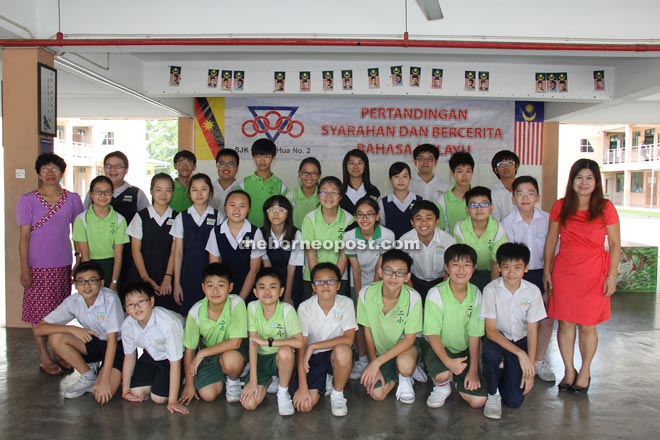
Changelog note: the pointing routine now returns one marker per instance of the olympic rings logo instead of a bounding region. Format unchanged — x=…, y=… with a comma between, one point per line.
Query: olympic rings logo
x=273, y=120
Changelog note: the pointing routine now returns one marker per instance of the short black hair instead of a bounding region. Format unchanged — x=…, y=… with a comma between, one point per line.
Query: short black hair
x=335, y=181
x=189, y=155
x=426, y=148
x=424, y=204
x=525, y=179
x=88, y=266
x=46, y=158
x=228, y=152
x=460, y=158
x=325, y=266
x=119, y=155
x=311, y=160
x=397, y=168
x=264, y=146
x=239, y=191
x=503, y=155
x=138, y=287
x=460, y=251
x=161, y=176
x=396, y=255
x=478, y=191
x=100, y=179
x=512, y=252
x=268, y=272
x=206, y=179
x=217, y=270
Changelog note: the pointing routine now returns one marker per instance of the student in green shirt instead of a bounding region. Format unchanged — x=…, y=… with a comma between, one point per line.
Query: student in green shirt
x=483, y=233
x=220, y=320
x=306, y=196
x=391, y=314
x=185, y=164
x=263, y=183
x=275, y=333
x=451, y=204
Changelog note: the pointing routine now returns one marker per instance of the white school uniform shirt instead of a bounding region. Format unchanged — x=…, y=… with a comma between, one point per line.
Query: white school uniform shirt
x=398, y=203
x=428, y=261
x=220, y=195
x=428, y=191
x=355, y=194
x=533, y=235
x=104, y=316
x=162, y=337
x=177, y=228
x=317, y=326
x=502, y=201
x=368, y=257
x=135, y=228
x=297, y=257
x=142, y=200
x=512, y=311
x=258, y=244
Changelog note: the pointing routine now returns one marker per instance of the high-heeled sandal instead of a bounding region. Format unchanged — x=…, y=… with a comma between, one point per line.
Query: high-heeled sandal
x=567, y=386
x=582, y=391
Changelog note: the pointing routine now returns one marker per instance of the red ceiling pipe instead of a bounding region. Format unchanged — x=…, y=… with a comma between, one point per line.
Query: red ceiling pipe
x=59, y=41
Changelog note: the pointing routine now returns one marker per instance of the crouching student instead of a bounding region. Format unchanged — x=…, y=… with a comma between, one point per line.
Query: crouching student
x=274, y=333
x=328, y=326
x=453, y=330
x=220, y=321
x=157, y=373
x=391, y=314
x=99, y=312
x=512, y=309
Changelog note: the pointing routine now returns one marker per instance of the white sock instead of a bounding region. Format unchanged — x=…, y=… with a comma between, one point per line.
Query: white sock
x=443, y=384
x=90, y=375
x=336, y=393
x=282, y=390
x=538, y=364
x=363, y=359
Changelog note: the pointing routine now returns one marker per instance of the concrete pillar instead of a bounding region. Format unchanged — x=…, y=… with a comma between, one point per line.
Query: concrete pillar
x=550, y=165
x=21, y=142
x=187, y=134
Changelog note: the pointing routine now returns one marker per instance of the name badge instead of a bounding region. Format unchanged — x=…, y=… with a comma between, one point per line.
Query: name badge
x=339, y=315
x=525, y=303
x=540, y=236
x=160, y=342
x=169, y=222
x=210, y=221
x=128, y=198
x=439, y=250
x=100, y=316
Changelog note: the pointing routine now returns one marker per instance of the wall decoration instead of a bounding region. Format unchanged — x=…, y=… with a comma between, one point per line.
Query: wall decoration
x=328, y=80
x=436, y=78
x=415, y=74
x=540, y=82
x=551, y=82
x=347, y=79
x=212, y=79
x=175, y=76
x=562, y=83
x=279, y=78
x=226, y=80
x=239, y=80
x=305, y=81
x=599, y=80
x=469, y=80
x=47, y=100
x=484, y=84
x=397, y=79
x=374, y=78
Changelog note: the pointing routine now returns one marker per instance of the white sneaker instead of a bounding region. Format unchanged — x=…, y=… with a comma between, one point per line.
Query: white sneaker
x=80, y=387
x=274, y=385
x=233, y=390
x=358, y=368
x=405, y=392
x=544, y=371
x=338, y=406
x=493, y=408
x=419, y=374
x=95, y=367
x=285, y=404
x=438, y=396
x=328, y=384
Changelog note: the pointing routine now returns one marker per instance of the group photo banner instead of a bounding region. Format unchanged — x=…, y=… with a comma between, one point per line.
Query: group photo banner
x=385, y=129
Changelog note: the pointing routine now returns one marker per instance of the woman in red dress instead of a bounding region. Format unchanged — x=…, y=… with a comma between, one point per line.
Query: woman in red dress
x=581, y=278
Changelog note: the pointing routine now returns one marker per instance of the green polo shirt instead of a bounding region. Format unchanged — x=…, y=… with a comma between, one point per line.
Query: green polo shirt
x=180, y=200
x=388, y=328
x=316, y=229
x=452, y=210
x=231, y=324
x=486, y=245
x=261, y=191
x=100, y=234
x=453, y=321
x=282, y=325
x=303, y=205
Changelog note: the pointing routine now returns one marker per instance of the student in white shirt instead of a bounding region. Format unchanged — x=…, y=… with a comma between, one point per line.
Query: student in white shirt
x=425, y=183
x=505, y=165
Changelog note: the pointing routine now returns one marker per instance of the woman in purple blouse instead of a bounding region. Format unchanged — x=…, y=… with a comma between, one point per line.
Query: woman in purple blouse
x=45, y=217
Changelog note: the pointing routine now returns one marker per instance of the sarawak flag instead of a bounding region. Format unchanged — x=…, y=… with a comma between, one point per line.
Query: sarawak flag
x=209, y=123
x=528, y=132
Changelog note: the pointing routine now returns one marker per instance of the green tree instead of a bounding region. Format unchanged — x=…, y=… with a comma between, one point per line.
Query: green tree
x=163, y=140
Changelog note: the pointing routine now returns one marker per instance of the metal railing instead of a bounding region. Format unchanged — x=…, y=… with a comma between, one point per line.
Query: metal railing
x=75, y=149
x=640, y=153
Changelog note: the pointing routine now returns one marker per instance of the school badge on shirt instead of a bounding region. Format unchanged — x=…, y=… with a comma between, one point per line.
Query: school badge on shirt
x=525, y=303
x=128, y=198
x=100, y=316
x=339, y=315
x=170, y=222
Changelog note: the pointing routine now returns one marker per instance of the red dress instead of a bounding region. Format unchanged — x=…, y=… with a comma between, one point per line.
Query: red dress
x=580, y=268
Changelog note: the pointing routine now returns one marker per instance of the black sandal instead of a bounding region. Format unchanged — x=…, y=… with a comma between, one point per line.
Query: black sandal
x=582, y=391
x=568, y=386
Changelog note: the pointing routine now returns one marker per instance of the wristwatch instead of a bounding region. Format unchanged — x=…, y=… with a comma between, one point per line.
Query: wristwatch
x=270, y=342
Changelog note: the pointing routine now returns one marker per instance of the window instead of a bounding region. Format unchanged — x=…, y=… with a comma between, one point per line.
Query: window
x=637, y=182
x=635, y=139
x=60, y=132
x=81, y=132
x=108, y=138
x=585, y=146
x=619, y=182
x=649, y=136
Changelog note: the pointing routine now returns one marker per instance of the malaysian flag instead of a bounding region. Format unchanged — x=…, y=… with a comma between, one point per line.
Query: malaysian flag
x=528, y=132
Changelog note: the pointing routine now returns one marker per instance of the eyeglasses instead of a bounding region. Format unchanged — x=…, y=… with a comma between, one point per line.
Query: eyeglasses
x=356, y=163
x=185, y=163
x=109, y=166
x=137, y=305
x=91, y=282
x=523, y=194
x=319, y=283
x=98, y=192
x=505, y=163
x=277, y=210
x=226, y=164
x=475, y=205
x=367, y=215
x=309, y=174
x=396, y=273
x=329, y=193
x=47, y=170
x=425, y=159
